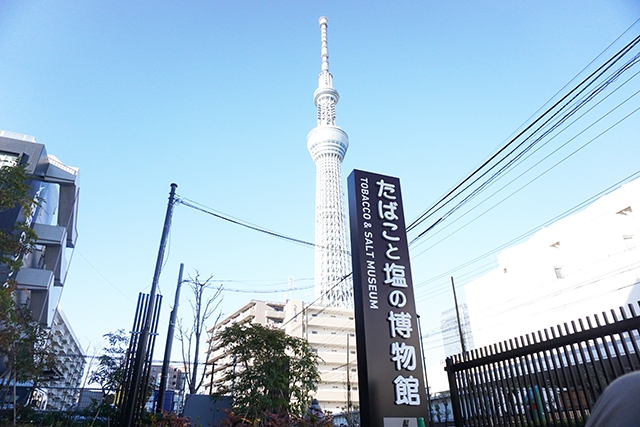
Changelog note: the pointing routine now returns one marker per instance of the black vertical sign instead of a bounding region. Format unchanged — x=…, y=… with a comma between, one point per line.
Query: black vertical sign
x=390, y=372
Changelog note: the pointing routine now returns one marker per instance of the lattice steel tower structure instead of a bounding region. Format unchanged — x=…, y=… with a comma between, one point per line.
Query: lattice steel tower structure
x=328, y=145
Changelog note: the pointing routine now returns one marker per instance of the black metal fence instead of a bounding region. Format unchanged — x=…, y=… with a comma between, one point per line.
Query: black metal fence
x=549, y=378
x=131, y=403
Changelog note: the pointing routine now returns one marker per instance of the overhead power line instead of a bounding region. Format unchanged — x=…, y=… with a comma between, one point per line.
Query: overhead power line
x=527, y=183
x=199, y=207
x=511, y=242
x=319, y=298
x=511, y=152
x=254, y=291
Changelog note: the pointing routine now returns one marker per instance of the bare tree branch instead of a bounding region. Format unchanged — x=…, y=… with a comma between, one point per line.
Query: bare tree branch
x=190, y=337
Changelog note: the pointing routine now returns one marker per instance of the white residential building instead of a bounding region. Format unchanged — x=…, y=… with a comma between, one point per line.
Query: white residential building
x=451, y=331
x=329, y=330
x=62, y=393
x=261, y=312
x=579, y=266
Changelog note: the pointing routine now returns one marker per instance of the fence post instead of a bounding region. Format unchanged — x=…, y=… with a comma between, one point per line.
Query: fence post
x=453, y=391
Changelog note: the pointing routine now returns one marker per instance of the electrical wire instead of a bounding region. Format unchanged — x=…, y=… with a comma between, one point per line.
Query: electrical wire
x=194, y=205
x=252, y=291
x=532, y=180
x=500, y=172
x=103, y=276
x=513, y=140
x=574, y=94
x=319, y=298
x=543, y=159
x=199, y=207
x=521, y=237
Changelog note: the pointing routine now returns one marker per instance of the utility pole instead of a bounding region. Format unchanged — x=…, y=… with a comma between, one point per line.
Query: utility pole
x=306, y=321
x=144, y=334
x=455, y=301
x=213, y=369
x=348, y=386
x=169, y=344
x=424, y=369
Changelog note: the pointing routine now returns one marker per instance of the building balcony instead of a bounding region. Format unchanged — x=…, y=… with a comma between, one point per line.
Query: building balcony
x=331, y=323
x=50, y=234
x=34, y=279
x=273, y=314
x=325, y=338
x=329, y=358
x=336, y=395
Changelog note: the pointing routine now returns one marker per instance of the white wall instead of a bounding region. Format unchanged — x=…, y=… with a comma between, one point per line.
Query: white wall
x=598, y=254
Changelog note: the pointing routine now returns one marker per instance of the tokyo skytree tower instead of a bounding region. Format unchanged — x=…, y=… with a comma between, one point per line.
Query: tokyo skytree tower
x=328, y=144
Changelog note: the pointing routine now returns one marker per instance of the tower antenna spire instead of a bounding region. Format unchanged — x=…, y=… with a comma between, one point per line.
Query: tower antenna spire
x=325, y=79
x=325, y=49
x=328, y=145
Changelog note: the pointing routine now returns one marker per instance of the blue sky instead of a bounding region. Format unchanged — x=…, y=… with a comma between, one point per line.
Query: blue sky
x=218, y=97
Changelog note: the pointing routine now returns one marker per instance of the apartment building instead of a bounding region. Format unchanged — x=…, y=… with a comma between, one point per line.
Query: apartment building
x=329, y=330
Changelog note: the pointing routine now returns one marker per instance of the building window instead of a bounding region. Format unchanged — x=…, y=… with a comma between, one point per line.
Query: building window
x=8, y=159
x=629, y=242
x=314, y=332
x=559, y=272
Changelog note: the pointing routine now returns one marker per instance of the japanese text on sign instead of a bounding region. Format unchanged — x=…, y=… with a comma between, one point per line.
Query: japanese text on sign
x=407, y=390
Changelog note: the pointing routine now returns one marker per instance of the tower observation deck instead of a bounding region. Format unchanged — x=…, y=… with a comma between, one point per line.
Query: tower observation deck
x=328, y=145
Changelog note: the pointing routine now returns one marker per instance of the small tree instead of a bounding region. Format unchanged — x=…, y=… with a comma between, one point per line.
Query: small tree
x=191, y=337
x=19, y=239
x=438, y=411
x=271, y=371
x=24, y=344
x=109, y=371
x=25, y=347
x=447, y=412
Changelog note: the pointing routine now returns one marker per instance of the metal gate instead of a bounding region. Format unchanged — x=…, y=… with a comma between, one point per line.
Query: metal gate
x=549, y=378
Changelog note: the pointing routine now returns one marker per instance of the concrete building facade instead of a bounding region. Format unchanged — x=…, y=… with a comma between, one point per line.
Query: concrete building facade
x=175, y=390
x=260, y=312
x=451, y=332
x=175, y=377
x=581, y=265
x=329, y=330
x=63, y=392
x=44, y=271
x=332, y=332
x=41, y=278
